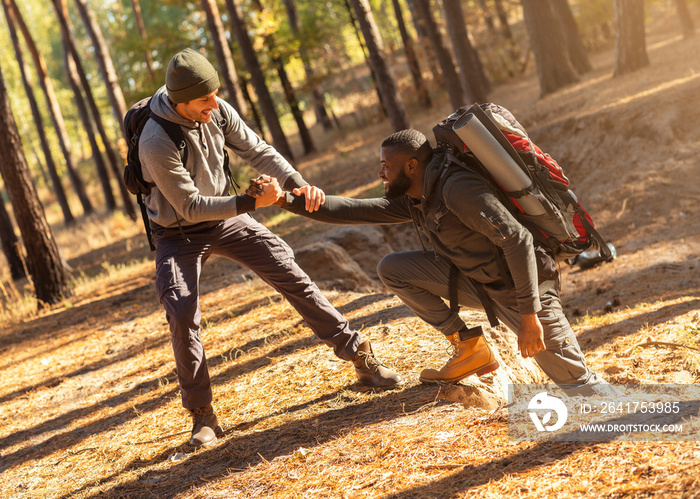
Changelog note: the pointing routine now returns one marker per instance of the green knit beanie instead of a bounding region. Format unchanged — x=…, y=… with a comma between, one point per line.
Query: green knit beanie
x=190, y=76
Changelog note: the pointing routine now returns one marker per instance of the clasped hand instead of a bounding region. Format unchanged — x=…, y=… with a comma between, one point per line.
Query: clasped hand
x=265, y=189
x=314, y=196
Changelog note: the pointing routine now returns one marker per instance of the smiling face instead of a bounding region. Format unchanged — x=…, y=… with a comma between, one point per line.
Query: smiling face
x=198, y=109
x=393, y=171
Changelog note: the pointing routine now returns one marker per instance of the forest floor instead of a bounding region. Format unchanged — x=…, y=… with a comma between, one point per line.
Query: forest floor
x=89, y=403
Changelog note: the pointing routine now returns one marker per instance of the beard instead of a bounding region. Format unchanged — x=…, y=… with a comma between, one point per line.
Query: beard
x=398, y=187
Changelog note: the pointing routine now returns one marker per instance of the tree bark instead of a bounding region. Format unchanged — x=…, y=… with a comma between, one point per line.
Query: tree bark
x=73, y=80
x=288, y=89
x=577, y=51
x=115, y=163
x=136, y=8
x=412, y=58
x=43, y=259
x=60, y=192
x=257, y=78
x=316, y=93
x=475, y=83
x=385, y=80
x=686, y=19
x=554, y=67
x=104, y=62
x=10, y=243
x=630, y=41
x=55, y=113
x=450, y=78
x=223, y=54
x=424, y=40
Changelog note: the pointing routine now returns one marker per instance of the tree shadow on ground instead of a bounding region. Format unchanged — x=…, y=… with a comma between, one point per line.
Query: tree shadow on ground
x=239, y=452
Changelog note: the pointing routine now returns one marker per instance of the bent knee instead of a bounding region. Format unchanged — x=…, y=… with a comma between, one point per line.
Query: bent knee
x=388, y=266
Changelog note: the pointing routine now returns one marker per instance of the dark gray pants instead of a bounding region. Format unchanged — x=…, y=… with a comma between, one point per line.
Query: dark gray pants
x=421, y=282
x=242, y=239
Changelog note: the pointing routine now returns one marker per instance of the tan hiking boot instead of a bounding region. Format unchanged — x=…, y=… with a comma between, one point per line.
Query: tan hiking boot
x=471, y=356
x=371, y=372
x=205, y=426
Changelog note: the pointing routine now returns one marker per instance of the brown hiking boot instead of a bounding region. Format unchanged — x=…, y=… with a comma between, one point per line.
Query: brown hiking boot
x=205, y=426
x=471, y=356
x=371, y=372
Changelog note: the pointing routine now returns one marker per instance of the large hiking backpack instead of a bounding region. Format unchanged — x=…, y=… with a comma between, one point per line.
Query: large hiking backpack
x=566, y=229
x=135, y=119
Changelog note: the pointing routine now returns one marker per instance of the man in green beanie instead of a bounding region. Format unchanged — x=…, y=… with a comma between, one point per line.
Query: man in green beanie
x=193, y=217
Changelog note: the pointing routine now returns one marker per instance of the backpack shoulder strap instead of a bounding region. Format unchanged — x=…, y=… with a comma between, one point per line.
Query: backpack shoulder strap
x=175, y=133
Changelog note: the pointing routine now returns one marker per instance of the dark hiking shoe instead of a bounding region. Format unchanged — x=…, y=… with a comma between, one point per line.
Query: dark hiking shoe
x=371, y=372
x=205, y=427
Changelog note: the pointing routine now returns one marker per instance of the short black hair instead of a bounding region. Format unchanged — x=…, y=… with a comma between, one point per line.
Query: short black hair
x=412, y=142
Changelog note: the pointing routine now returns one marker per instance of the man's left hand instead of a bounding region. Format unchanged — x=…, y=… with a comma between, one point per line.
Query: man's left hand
x=315, y=197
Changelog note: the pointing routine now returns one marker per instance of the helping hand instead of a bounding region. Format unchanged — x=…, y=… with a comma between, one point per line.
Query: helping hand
x=315, y=197
x=266, y=191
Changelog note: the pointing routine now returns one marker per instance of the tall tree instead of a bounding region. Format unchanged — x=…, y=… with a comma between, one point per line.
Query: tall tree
x=104, y=62
x=287, y=87
x=223, y=54
x=60, y=192
x=43, y=259
x=55, y=112
x=686, y=19
x=411, y=57
x=387, y=86
x=257, y=78
x=138, y=17
x=630, y=41
x=424, y=40
x=10, y=243
x=450, y=78
x=61, y=8
x=74, y=82
x=475, y=83
x=316, y=93
x=554, y=67
x=577, y=51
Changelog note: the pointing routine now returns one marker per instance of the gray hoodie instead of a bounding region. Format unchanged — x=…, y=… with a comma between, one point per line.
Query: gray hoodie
x=198, y=191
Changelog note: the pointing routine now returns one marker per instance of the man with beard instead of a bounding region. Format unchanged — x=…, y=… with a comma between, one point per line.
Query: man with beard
x=466, y=225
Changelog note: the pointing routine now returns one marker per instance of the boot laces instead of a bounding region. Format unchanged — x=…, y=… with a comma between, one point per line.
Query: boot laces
x=369, y=360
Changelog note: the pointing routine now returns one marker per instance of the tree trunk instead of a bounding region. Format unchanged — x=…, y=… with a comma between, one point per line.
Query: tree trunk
x=554, y=67
x=385, y=80
x=630, y=41
x=104, y=62
x=73, y=80
x=450, y=78
x=288, y=89
x=412, y=58
x=686, y=19
x=43, y=259
x=223, y=54
x=38, y=120
x=363, y=47
x=115, y=163
x=10, y=243
x=424, y=40
x=136, y=8
x=257, y=78
x=316, y=93
x=577, y=52
x=55, y=113
x=475, y=83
